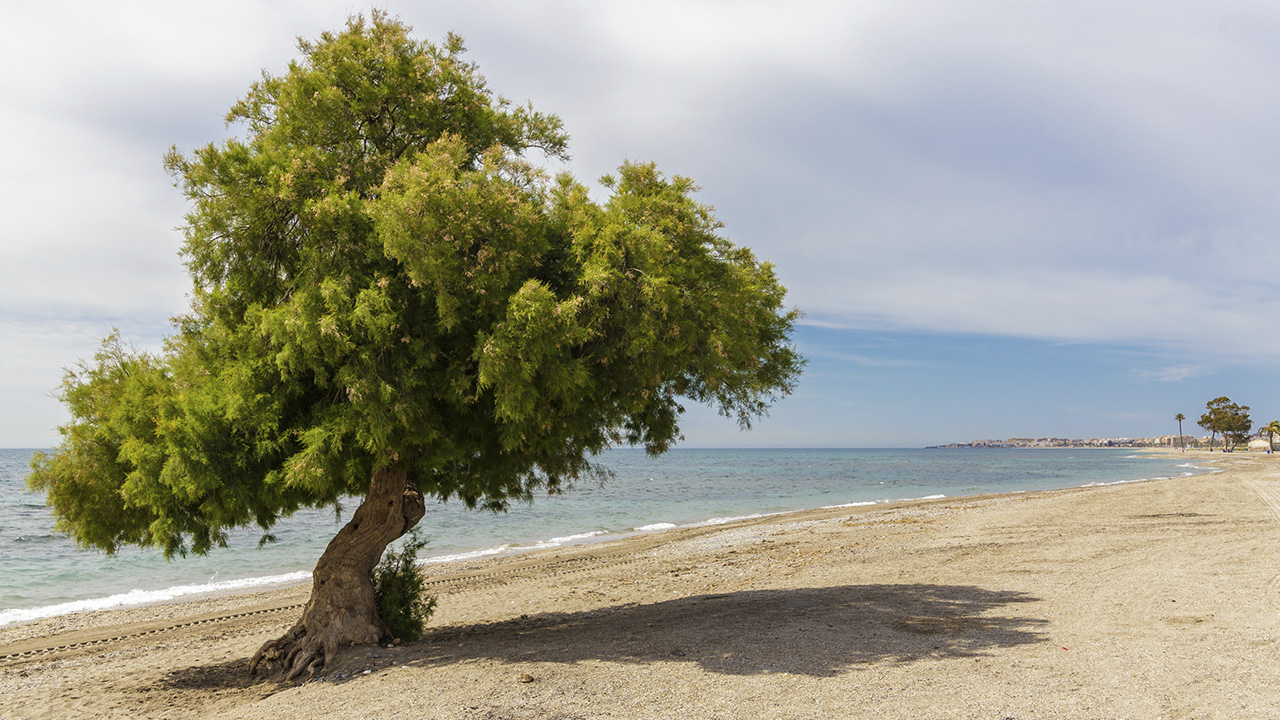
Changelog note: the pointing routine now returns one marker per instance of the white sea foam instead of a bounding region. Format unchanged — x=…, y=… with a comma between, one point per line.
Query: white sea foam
x=566, y=540
x=512, y=548
x=724, y=520
x=144, y=597
x=1193, y=470
x=1202, y=468
x=877, y=502
x=135, y=598
x=1122, y=482
x=472, y=555
x=656, y=527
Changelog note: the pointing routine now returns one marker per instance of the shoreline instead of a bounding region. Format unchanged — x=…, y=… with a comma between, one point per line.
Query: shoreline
x=189, y=592
x=289, y=592
x=1143, y=600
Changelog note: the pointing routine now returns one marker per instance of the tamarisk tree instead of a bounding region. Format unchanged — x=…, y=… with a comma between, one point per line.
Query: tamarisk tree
x=1232, y=420
x=392, y=301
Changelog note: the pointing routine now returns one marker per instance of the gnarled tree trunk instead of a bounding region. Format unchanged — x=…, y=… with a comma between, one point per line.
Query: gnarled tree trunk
x=342, y=611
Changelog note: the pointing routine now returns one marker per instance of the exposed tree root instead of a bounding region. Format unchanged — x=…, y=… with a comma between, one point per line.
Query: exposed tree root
x=302, y=652
x=294, y=655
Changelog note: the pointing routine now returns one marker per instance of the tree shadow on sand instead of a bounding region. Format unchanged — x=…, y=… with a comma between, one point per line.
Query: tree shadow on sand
x=819, y=632
x=808, y=631
x=230, y=674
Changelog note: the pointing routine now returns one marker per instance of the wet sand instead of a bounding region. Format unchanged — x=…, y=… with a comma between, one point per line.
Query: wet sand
x=1146, y=600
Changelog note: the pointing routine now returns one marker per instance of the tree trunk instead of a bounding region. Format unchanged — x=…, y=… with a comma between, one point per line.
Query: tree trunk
x=342, y=611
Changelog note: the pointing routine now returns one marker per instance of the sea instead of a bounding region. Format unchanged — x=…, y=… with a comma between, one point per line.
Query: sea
x=43, y=573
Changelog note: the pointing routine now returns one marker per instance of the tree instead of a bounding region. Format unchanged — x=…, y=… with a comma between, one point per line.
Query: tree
x=1237, y=427
x=1212, y=419
x=1271, y=429
x=1229, y=419
x=1209, y=421
x=1181, y=443
x=391, y=301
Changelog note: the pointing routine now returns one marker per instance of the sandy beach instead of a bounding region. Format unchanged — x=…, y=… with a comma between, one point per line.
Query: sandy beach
x=1145, y=600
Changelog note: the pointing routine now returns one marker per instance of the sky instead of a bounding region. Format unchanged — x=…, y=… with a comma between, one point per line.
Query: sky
x=1001, y=219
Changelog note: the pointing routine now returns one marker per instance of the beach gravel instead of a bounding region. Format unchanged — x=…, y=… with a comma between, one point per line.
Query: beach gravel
x=1155, y=599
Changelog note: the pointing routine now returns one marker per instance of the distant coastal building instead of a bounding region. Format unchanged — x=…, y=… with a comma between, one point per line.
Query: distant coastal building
x=1160, y=441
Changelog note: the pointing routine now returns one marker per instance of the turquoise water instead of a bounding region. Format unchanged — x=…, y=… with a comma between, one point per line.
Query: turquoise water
x=42, y=573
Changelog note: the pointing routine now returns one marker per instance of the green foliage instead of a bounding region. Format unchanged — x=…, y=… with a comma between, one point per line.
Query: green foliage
x=400, y=591
x=1225, y=417
x=1270, y=430
x=381, y=277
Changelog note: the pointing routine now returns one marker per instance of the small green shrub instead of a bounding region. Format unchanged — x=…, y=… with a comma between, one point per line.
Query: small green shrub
x=398, y=588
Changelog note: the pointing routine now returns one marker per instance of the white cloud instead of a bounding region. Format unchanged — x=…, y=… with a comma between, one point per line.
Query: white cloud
x=1083, y=172
x=1094, y=305
x=1174, y=373
x=866, y=361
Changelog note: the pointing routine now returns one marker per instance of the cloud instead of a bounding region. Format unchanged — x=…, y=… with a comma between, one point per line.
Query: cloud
x=1101, y=305
x=1173, y=374
x=1091, y=172
x=868, y=361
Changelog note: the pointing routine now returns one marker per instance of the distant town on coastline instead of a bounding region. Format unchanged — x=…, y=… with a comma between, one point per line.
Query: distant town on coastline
x=1228, y=422
x=1163, y=441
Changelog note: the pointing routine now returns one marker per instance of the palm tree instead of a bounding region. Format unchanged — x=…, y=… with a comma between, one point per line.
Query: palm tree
x=1270, y=430
x=1181, y=443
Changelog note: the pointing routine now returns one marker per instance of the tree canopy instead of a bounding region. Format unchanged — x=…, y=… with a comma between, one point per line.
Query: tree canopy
x=385, y=285
x=1270, y=430
x=1228, y=418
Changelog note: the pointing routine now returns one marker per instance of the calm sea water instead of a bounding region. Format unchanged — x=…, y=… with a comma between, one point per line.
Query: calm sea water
x=43, y=574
